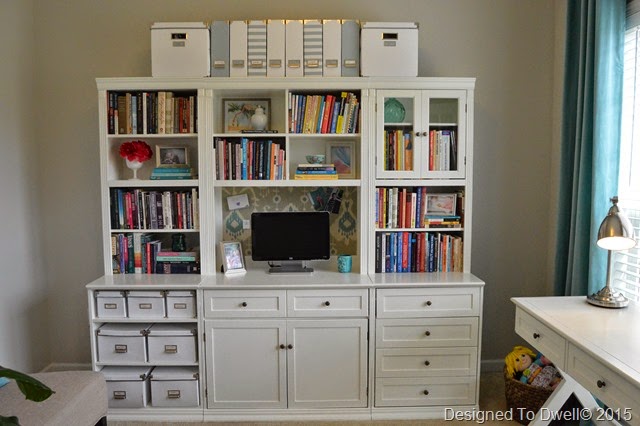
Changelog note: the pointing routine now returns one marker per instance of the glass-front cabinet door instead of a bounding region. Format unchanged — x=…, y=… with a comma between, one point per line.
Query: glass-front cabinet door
x=420, y=134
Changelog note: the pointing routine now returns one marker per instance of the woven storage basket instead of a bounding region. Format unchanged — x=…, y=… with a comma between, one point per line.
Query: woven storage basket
x=523, y=396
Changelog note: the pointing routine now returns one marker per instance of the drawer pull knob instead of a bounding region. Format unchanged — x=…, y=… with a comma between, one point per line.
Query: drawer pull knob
x=427, y=333
x=536, y=335
x=327, y=303
x=282, y=346
x=426, y=392
x=427, y=363
x=601, y=384
x=243, y=304
x=428, y=303
x=290, y=346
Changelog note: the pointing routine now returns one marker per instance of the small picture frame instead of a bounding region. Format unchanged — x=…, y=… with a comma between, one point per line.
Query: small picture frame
x=238, y=113
x=342, y=155
x=232, y=257
x=441, y=205
x=172, y=156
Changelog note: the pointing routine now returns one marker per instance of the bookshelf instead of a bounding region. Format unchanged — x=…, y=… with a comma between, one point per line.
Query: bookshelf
x=405, y=178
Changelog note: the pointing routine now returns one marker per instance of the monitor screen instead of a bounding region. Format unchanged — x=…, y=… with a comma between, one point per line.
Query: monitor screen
x=290, y=236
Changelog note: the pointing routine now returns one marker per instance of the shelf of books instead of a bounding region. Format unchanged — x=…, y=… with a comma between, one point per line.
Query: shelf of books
x=150, y=210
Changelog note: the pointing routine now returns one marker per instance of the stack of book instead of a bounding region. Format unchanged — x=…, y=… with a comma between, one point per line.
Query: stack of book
x=442, y=221
x=177, y=262
x=160, y=173
x=316, y=171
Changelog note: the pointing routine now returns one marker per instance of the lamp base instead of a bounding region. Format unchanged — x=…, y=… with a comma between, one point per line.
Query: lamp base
x=606, y=298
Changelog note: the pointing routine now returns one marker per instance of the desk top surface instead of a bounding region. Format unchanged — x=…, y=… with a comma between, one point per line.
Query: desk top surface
x=611, y=335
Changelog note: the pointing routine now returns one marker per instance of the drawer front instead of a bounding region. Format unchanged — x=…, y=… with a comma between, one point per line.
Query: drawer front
x=121, y=349
x=244, y=303
x=127, y=394
x=427, y=332
x=614, y=390
x=172, y=349
x=181, y=306
x=111, y=307
x=541, y=337
x=146, y=307
x=174, y=393
x=428, y=302
x=327, y=303
x=427, y=362
x=425, y=391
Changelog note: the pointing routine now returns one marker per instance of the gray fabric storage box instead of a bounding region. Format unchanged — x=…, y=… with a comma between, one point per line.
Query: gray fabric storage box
x=146, y=304
x=175, y=343
x=110, y=304
x=127, y=387
x=181, y=304
x=175, y=387
x=122, y=343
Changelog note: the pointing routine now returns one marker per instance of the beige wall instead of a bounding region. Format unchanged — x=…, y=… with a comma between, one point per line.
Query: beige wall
x=507, y=45
x=23, y=289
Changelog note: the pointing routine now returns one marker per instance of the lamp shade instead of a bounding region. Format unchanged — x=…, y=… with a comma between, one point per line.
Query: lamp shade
x=616, y=231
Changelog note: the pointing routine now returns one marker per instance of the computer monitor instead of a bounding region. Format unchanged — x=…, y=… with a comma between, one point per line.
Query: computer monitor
x=290, y=239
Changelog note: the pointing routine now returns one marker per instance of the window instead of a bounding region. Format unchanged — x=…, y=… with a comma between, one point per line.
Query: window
x=626, y=274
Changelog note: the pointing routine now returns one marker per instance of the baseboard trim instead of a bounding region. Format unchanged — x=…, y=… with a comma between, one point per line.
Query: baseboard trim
x=491, y=365
x=62, y=366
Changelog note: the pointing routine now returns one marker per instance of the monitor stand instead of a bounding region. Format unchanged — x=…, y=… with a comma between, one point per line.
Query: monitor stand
x=289, y=267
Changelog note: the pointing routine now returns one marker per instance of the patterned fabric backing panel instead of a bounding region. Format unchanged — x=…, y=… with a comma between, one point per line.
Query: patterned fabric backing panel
x=343, y=225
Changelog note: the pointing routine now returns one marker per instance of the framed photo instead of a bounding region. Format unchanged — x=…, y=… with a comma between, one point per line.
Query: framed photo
x=343, y=156
x=238, y=113
x=232, y=257
x=172, y=156
x=441, y=204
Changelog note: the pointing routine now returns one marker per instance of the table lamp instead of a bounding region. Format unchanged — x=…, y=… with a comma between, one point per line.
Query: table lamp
x=615, y=233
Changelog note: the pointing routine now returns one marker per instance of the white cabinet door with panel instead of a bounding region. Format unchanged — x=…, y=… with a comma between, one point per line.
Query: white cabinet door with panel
x=246, y=363
x=327, y=363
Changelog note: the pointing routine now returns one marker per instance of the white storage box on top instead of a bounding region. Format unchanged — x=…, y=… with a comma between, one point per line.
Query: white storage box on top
x=120, y=343
x=146, y=304
x=180, y=49
x=389, y=49
x=181, y=304
x=127, y=387
x=110, y=304
x=174, y=387
x=172, y=343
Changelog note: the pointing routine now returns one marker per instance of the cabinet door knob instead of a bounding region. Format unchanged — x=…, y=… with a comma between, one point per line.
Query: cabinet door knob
x=536, y=335
x=601, y=384
x=243, y=304
x=418, y=134
x=426, y=392
x=327, y=303
x=282, y=346
x=290, y=346
x=427, y=333
x=428, y=303
x=427, y=363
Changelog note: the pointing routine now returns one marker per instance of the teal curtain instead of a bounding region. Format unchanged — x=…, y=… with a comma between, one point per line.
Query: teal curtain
x=590, y=140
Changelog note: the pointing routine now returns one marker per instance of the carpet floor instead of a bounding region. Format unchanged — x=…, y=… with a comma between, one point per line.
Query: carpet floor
x=491, y=400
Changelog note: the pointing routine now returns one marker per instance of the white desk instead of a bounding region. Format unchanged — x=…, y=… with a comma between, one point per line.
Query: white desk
x=597, y=350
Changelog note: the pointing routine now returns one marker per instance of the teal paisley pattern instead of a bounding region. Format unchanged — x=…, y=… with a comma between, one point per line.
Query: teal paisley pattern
x=344, y=225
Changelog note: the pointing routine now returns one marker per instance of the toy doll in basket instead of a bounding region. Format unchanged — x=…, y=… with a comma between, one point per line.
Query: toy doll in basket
x=534, y=369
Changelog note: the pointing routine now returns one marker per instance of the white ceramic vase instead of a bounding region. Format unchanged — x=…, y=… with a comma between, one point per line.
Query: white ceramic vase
x=133, y=165
x=259, y=119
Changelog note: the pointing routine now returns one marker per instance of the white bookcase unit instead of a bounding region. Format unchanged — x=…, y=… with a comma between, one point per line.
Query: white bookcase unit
x=398, y=337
